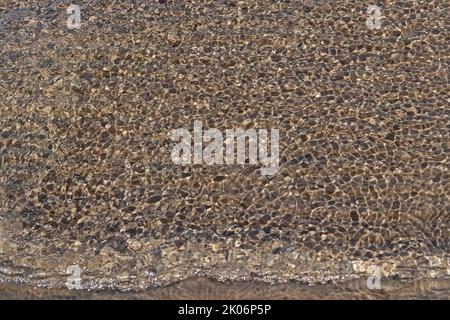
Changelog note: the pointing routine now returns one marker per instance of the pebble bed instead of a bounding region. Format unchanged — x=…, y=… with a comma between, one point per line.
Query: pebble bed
x=86, y=115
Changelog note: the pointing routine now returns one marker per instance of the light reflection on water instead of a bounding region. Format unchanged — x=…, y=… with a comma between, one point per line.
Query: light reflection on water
x=201, y=288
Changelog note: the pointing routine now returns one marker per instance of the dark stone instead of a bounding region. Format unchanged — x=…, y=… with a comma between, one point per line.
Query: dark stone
x=119, y=243
x=154, y=199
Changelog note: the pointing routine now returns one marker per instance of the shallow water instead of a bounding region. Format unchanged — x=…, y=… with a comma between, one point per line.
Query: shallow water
x=87, y=180
x=205, y=289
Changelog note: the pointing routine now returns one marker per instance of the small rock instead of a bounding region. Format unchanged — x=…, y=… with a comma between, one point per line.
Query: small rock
x=119, y=243
x=154, y=199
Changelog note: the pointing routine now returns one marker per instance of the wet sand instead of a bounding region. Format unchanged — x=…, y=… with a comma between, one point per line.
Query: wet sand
x=205, y=289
